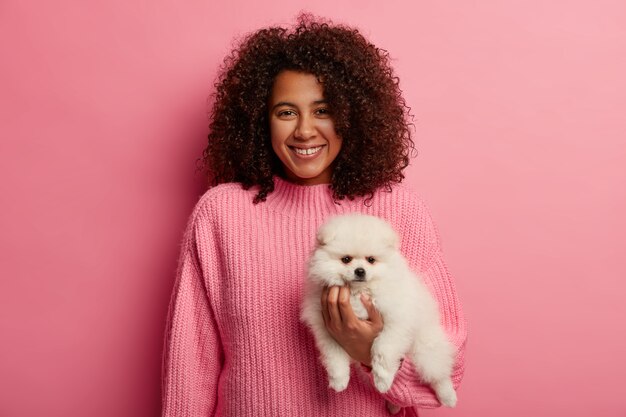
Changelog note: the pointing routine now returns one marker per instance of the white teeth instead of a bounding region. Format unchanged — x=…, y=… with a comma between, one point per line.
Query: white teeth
x=309, y=151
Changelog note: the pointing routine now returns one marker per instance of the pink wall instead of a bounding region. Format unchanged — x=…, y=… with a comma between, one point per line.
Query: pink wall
x=520, y=116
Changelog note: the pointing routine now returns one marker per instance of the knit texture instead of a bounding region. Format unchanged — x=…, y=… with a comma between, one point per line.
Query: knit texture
x=234, y=343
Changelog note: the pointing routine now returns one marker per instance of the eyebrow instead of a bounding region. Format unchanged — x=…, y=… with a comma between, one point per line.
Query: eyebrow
x=286, y=103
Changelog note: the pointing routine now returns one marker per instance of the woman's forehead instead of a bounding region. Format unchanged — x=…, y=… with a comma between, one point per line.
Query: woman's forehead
x=297, y=88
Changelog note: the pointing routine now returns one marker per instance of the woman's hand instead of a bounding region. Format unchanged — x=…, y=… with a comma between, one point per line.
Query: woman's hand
x=353, y=334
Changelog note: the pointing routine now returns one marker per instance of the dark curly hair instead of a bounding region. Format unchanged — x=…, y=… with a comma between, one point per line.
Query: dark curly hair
x=368, y=109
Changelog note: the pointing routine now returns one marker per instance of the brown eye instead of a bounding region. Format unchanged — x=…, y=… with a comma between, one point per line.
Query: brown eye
x=370, y=259
x=286, y=113
x=346, y=259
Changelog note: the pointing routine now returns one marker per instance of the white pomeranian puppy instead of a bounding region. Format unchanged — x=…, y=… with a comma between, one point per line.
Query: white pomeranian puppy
x=362, y=252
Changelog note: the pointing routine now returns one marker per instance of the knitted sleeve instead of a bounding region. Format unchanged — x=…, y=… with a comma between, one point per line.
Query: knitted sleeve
x=407, y=391
x=192, y=355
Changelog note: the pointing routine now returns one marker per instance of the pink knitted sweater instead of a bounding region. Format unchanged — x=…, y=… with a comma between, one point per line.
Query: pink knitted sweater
x=234, y=343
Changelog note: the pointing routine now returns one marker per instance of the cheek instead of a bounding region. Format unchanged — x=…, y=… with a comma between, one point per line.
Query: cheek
x=328, y=131
x=327, y=127
x=379, y=270
x=279, y=131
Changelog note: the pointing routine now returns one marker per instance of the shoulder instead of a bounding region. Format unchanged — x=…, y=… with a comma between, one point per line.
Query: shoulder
x=412, y=218
x=407, y=203
x=408, y=197
x=218, y=201
x=227, y=191
x=225, y=196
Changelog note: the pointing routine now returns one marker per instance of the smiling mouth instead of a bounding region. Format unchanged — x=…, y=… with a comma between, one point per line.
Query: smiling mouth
x=307, y=151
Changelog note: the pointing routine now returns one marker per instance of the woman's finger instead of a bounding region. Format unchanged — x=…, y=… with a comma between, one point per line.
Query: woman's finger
x=345, y=308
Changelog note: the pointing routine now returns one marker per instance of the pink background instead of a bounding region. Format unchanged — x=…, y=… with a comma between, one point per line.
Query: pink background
x=521, y=125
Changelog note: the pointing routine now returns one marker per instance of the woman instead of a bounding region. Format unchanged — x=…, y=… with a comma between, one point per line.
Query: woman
x=306, y=124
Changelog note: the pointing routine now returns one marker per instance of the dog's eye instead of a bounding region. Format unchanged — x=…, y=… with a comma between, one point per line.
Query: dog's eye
x=371, y=259
x=346, y=259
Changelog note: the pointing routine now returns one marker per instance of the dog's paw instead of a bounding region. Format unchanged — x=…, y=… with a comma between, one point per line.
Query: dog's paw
x=446, y=394
x=339, y=383
x=448, y=398
x=382, y=380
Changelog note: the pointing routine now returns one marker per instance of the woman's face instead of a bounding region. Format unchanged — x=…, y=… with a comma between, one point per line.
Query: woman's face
x=302, y=128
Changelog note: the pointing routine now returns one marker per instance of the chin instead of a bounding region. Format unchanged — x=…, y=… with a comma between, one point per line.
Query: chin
x=362, y=252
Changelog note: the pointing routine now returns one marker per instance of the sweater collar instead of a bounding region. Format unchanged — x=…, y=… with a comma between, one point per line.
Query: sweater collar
x=291, y=197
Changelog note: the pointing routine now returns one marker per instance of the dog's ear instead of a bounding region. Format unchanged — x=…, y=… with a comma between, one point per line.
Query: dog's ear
x=325, y=235
x=391, y=239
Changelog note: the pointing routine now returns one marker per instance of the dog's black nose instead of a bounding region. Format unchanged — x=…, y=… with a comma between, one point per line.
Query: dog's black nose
x=359, y=272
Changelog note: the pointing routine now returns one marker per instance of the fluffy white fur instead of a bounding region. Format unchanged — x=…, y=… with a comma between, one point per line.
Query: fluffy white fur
x=410, y=313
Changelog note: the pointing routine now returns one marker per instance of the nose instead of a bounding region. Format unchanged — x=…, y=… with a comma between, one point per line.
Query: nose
x=360, y=273
x=305, y=128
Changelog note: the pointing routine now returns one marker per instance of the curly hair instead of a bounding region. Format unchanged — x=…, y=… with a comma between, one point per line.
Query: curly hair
x=369, y=112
